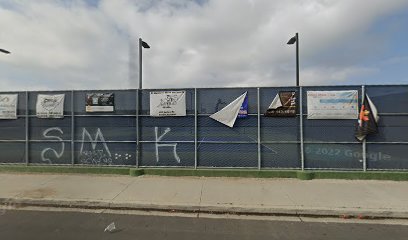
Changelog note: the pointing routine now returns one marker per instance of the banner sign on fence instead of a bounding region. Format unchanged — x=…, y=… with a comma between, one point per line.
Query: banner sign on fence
x=243, y=111
x=283, y=105
x=229, y=113
x=332, y=104
x=100, y=102
x=167, y=103
x=368, y=119
x=50, y=106
x=8, y=106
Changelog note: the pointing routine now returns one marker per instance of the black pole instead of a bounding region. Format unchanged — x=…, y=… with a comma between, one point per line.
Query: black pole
x=140, y=63
x=4, y=51
x=138, y=155
x=297, y=59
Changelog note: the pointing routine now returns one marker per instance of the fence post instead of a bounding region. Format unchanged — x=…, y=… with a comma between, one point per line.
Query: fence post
x=137, y=128
x=259, y=130
x=364, y=149
x=26, y=129
x=72, y=129
x=302, y=153
x=195, y=128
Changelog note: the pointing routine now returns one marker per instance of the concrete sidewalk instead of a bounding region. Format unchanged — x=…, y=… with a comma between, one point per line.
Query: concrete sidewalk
x=356, y=198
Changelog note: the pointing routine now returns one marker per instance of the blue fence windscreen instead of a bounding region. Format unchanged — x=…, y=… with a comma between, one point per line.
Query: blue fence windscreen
x=129, y=136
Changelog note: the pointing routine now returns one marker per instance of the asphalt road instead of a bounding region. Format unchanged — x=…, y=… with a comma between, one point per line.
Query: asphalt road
x=48, y=225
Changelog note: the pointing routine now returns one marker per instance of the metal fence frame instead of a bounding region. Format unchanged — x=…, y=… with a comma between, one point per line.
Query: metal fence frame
x=196, y=165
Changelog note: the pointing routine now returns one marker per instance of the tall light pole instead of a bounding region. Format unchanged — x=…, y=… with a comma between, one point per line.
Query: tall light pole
x=291, y=41
x=4, y=51
x=142, y=44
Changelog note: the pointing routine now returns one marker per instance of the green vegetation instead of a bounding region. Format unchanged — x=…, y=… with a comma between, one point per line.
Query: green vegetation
x=302, y=175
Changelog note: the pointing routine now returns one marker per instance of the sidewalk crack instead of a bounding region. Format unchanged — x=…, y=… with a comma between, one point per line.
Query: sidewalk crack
x=49, y=180
x=127, y=186
x=287, y=195
x=201, y=195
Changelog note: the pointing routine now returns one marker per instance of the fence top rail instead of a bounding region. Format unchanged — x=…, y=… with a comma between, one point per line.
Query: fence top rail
x=201, y=88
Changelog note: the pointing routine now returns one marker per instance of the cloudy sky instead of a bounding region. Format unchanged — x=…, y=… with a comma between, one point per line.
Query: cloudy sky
x=93, y=44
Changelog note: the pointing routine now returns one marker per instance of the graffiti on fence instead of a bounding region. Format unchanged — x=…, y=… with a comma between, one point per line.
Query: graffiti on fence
x=157, y=145
x=123, y=156
x=58, y=155
x=92, y=155
x=219, y=105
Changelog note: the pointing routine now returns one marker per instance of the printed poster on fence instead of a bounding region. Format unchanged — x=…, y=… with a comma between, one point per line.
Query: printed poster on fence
x=8, y=106
x=283, y=105
x=167, y=103
x=332, y=104
x=243, y=111
x=50, y=106
x=100, y=102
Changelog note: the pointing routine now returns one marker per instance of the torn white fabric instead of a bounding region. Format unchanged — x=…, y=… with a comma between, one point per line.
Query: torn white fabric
x=276, y=102
x=229, y=113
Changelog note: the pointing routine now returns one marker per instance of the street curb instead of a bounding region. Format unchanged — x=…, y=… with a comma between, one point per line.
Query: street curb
x=218, y=210
x=243, y=173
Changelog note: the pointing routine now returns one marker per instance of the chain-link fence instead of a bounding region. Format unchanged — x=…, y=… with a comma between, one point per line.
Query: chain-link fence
x=129, y=136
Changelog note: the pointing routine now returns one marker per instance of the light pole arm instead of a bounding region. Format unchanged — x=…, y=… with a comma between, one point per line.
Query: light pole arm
x=4, y=51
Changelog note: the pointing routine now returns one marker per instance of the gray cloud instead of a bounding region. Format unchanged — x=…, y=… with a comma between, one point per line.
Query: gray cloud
x=72, y=45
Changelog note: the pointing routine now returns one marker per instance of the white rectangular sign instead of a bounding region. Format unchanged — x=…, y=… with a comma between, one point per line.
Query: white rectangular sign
x=332, y=104
x=8, y=106
x=168, y=103
x=100, y=102
x=50, y=106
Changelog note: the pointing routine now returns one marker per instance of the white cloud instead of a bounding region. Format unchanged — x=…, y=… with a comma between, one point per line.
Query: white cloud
x=71, y=45
x=325, y=76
